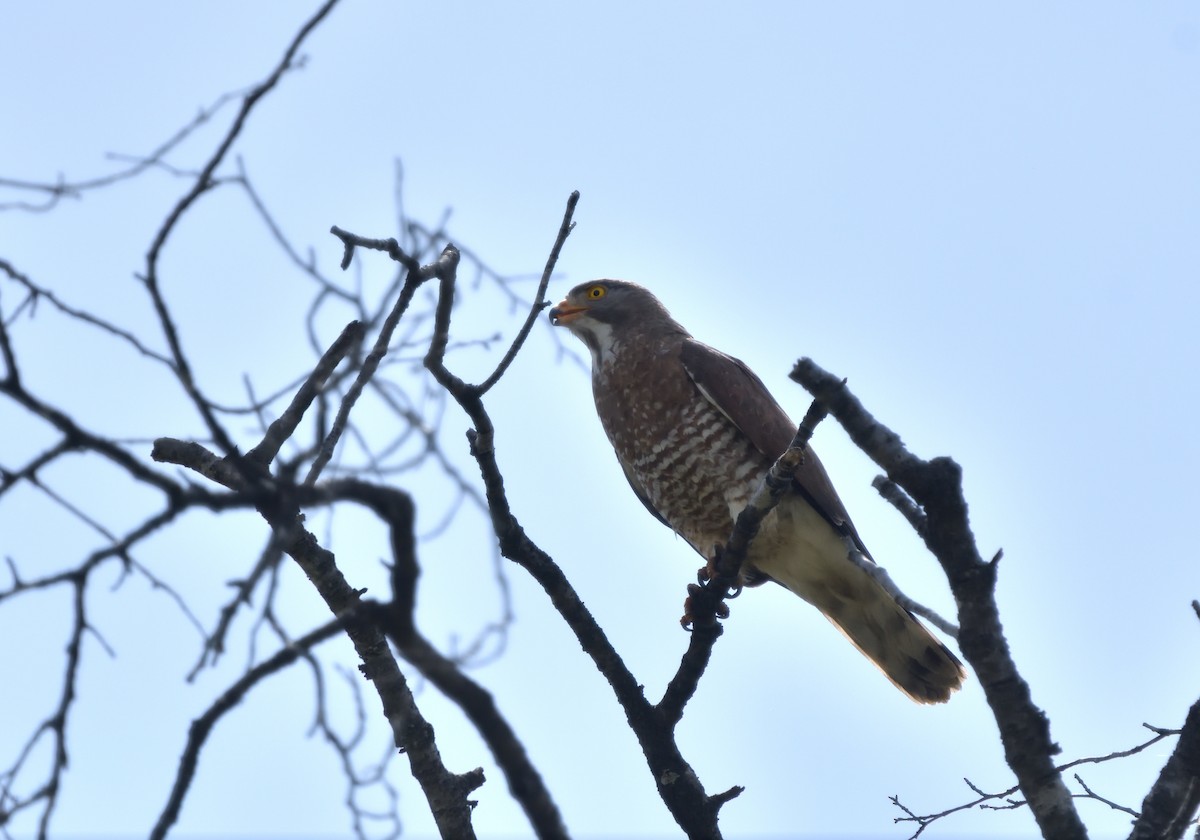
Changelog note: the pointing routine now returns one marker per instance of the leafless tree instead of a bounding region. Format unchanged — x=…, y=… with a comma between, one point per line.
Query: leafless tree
x=393, y=347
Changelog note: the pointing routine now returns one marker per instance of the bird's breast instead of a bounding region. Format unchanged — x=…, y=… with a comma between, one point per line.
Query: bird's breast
x=694, y=466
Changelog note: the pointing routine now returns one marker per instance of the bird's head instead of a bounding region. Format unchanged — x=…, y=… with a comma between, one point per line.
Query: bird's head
x=603, y=312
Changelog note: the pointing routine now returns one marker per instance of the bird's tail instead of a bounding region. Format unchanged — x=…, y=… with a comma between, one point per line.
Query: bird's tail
x=901, y=646
x=858, y=604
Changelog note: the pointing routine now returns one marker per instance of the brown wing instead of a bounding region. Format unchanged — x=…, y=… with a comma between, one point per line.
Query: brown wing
x=741, y=396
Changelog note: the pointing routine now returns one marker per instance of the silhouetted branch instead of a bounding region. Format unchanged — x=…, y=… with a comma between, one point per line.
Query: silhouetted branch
x=202, y=726
x=539, y=301
x=895, y=495
x=398, y=619
x=446, y=792
x=358, y=780
x=214, y=642
x=1173, y=800
x=936, y=486
x=706, y=600
x=63, y=188
x=678, y=786
x=285, y=425
x=411, y=283
x=277, y=496
x=321, y=409
x=307, y=265
x=37, y=293
x=203, y=182
x=988, y=800
x=391, y=247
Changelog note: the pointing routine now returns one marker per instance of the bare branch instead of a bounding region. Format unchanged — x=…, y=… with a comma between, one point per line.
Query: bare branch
x=62, y=188
x=202, y=726
x=391, y=247
x=202, y=184
x=276, y=496
x=987, y=800
x=678, y=785
x=901, y=501
x=412, y=282
x=446, y=792
x=1174, y=799
x=1091, y=794
x=705, y=603
x=37, y=292
x=399, y=620
x=936, y=486
x=539, y=302
x=285, y=425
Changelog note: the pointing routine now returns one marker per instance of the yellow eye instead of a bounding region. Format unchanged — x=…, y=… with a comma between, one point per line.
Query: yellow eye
x=596, y=292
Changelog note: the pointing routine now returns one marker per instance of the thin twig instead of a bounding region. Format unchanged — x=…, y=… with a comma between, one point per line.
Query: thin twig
x=539, y=301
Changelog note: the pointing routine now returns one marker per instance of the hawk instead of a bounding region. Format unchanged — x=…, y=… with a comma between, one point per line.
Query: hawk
x=695, y=431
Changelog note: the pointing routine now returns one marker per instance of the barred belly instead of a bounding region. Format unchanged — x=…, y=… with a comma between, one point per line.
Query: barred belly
x=699, y=472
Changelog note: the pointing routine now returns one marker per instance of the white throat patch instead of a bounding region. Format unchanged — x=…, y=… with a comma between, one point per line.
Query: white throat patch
x=600, y=342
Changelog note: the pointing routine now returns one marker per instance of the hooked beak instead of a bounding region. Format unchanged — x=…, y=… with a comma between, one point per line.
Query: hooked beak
x=564, y=313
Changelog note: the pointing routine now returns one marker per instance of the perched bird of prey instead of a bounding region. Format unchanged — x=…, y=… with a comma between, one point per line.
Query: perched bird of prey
x=695, y=431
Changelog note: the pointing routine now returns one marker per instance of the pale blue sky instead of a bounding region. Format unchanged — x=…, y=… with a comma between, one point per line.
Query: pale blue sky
x=985, y=217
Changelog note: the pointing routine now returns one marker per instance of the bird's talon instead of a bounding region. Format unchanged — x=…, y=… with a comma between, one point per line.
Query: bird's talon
x=687, y=619
x=701, y=592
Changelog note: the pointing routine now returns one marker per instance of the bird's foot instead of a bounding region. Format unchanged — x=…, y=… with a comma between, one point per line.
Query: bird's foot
x=697, y=594
x=706, y=573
